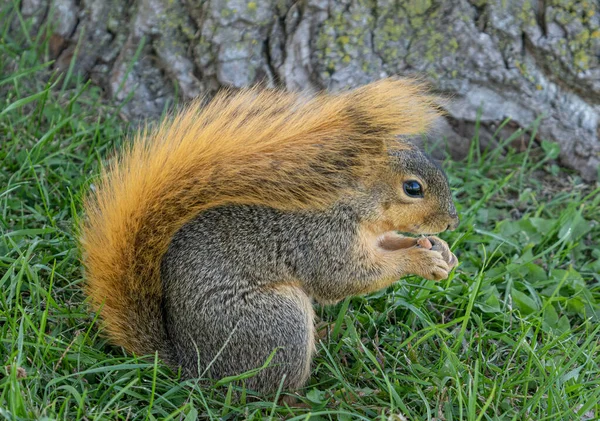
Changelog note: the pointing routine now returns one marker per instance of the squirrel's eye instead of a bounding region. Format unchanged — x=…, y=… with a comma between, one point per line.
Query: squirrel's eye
x=413, y=188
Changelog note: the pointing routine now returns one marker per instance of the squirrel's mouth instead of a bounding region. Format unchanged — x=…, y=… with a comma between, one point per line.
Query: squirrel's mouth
x=420, y=230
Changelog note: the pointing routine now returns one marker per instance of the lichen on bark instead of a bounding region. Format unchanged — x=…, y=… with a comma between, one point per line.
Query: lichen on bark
x=501, y=59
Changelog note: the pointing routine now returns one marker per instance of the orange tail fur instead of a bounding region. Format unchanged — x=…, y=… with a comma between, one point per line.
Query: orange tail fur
x=278, y=149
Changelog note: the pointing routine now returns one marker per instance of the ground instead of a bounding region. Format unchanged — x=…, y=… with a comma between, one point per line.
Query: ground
x=514, y=333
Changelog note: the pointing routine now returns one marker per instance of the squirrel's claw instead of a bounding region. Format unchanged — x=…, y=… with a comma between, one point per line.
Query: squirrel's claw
x=441, y=246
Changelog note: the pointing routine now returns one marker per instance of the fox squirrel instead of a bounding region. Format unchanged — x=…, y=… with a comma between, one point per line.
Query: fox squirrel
x=208, y=238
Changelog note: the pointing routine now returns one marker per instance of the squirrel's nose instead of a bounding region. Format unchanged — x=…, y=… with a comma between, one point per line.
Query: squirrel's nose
x=454, y=223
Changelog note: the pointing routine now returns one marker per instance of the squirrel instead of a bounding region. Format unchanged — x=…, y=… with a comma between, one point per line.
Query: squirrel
x=211, y=236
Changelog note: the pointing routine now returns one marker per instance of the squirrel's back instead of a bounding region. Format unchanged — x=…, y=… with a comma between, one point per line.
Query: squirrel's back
x=276, y=149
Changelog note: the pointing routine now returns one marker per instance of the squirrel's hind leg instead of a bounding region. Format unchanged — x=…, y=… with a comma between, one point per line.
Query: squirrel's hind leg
x=296, y=328
x=279, y=319
x=234, y=336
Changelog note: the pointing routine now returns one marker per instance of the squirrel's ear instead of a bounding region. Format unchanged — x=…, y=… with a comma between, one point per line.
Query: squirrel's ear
x=412, y=160
x=401, y=157
x=399, y=146
x=407, y=143
x=402, y=149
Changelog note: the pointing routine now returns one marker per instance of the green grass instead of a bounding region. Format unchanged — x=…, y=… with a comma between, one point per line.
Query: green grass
x=513, y=334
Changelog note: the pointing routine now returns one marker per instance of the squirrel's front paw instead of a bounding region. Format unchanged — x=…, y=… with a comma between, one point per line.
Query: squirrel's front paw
x=429, y=264
x=437, y=244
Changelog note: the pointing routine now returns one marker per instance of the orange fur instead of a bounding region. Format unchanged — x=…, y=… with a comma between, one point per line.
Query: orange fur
x=278, y=149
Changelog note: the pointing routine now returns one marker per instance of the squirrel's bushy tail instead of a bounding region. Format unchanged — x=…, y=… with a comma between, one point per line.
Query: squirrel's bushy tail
x=279, y=149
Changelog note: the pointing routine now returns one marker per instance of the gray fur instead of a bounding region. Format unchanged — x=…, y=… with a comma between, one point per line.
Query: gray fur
x=217, y=275
x=225, y=312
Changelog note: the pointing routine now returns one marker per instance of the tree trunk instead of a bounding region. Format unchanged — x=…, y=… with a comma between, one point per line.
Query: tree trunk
x=516, y=59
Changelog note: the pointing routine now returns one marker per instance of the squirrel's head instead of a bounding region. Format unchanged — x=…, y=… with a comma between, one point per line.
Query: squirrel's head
x=421, y=201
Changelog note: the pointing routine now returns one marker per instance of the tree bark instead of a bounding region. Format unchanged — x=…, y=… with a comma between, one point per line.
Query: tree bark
x=516, y=59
